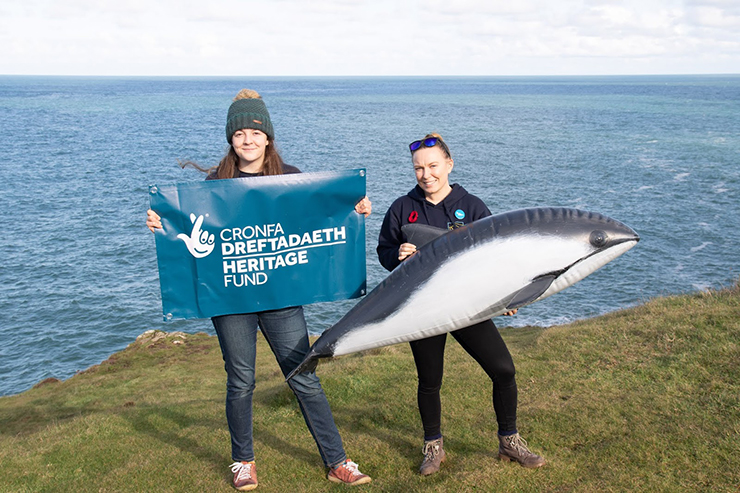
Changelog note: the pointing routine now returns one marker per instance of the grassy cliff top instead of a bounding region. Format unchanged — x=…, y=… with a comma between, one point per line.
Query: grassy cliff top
x=644, y=399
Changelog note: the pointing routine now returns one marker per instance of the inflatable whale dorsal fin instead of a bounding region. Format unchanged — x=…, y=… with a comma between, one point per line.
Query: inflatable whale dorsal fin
x=421, y=234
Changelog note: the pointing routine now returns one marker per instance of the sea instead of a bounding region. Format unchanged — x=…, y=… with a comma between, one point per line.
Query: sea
x=78, y=275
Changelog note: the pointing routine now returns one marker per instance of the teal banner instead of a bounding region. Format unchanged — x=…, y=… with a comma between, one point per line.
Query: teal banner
x=251, y=244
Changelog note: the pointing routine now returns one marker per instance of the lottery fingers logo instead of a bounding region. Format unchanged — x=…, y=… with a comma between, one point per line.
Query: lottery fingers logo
x=200, y=243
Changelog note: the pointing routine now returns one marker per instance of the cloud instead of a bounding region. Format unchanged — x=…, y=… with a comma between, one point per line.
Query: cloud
x=384, y=37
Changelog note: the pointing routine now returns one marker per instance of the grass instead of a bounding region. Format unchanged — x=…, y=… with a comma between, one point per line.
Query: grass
x=645, y=399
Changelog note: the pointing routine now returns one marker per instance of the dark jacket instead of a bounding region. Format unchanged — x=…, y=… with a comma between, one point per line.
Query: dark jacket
x=457, y=209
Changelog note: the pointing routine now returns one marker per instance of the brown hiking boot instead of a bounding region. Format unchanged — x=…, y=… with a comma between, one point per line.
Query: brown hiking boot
x=245, y=475
x=434, y=454
x=348, y=473
x=514, y=448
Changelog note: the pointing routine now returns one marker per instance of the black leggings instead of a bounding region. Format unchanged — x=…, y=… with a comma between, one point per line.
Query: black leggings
x=483, y=342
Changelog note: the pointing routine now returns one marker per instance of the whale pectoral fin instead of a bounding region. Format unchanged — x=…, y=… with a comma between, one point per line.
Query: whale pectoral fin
x=421, y=234
x=531, y=291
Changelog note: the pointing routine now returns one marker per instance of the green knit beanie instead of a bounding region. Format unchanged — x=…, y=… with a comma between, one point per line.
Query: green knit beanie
x=248, y=113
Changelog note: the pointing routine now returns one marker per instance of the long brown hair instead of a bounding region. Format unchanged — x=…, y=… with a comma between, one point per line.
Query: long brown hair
x=228, y=167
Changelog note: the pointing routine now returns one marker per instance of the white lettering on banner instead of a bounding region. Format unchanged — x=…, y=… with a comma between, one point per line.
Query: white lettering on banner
x=242, y=280
x=271, y=262
x=249, y=232
x=250, y=252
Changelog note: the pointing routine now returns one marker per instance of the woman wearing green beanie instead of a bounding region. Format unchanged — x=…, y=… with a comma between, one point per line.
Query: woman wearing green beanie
x=252, y=153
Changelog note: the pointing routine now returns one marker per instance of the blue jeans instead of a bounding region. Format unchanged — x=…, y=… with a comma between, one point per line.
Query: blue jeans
x=286, y=333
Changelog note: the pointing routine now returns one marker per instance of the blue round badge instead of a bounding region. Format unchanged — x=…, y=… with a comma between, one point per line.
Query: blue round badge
x=460, y=214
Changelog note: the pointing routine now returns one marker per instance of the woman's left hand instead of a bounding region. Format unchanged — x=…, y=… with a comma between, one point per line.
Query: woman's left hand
x=364, y=207
x=511, y=313
x=153, y=221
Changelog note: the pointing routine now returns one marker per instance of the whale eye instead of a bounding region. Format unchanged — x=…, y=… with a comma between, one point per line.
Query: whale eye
x=598, y=238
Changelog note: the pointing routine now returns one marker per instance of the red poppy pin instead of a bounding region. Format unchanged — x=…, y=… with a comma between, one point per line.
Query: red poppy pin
x=413, y=217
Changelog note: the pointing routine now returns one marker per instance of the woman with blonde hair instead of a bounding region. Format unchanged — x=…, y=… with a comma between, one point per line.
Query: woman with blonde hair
x=252, y=153
x=435, y=202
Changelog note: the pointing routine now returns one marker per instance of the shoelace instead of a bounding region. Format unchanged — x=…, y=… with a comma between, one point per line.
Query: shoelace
x=351, y=467
x=520, y=444
x=430, y=450
x=245, y=470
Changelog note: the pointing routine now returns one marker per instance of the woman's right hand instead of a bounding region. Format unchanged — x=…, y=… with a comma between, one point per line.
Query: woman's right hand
x=406, y=250
x=153, y=221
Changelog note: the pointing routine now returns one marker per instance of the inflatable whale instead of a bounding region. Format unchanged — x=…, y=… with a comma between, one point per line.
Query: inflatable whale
x=484, y=269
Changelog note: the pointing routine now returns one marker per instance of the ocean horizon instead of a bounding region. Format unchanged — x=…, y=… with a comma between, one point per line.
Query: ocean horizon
x=660, y=153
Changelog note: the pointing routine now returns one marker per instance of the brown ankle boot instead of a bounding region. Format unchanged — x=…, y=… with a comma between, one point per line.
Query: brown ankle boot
x=434, y=454
x=514, y=448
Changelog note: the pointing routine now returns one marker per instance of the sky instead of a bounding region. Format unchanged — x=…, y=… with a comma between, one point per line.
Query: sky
x=376, y=38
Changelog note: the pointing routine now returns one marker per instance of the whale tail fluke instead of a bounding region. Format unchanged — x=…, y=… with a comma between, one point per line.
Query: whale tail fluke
x=309, y=364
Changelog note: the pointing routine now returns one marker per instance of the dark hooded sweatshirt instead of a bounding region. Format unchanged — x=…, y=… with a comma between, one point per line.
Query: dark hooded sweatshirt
x=457, y=209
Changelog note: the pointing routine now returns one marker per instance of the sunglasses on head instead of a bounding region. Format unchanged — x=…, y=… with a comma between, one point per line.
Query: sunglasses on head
x=429, y=142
